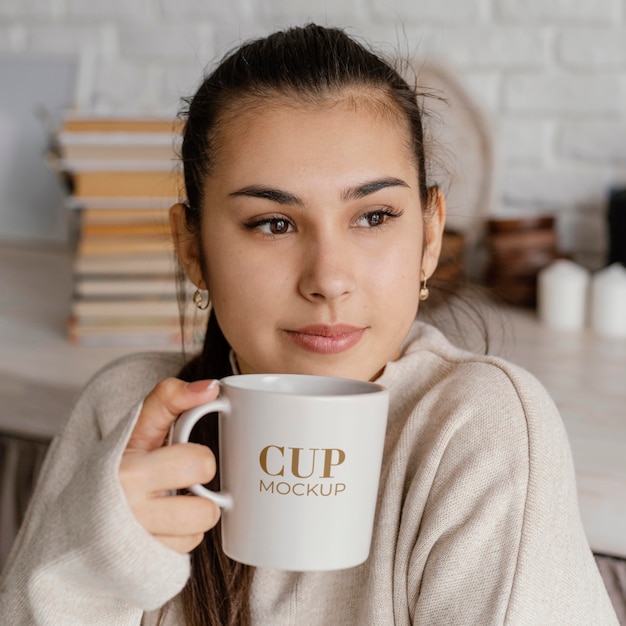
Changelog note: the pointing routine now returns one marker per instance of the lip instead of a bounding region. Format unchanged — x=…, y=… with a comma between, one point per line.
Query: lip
x=326, y=339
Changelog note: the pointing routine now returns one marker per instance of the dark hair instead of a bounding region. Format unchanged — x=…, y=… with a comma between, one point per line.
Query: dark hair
x=308, y=64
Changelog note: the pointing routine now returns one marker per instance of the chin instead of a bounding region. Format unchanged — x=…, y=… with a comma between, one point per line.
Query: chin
x=340, y=371
x=339, y=366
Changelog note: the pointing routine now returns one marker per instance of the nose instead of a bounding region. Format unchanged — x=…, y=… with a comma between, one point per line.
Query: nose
x=327, y=272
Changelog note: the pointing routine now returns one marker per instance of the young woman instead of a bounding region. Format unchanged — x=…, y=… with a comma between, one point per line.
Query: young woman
x=310, y=221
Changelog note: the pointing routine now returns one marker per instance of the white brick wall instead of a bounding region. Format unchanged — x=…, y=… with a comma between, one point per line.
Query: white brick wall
x=551, y=74
x=563, y=93
x=175, y=42
x=217, y=12
x=561, y=11
x=591, y=48
x=438, y=11
x=601, y=142
x=485, y=47
x=525, y=141
x=64, y=39
x=12, y=39
x=122, y=10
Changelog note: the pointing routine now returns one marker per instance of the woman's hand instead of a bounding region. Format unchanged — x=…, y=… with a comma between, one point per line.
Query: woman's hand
x=149, y=470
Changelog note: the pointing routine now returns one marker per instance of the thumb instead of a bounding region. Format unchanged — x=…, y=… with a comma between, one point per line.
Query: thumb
x=163, y=405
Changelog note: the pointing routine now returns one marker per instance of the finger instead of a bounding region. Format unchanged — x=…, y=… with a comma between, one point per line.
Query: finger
x=166, y=468
x=163, y=405
x=178, y=515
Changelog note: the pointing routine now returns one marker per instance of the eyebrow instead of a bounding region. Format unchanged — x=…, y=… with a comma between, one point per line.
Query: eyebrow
x=267, y=193
x=370, y=187
x=286, y=198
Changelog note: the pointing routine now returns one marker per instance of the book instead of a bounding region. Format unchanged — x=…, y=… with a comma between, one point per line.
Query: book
x=75, y=122
x=100, y=139
x=120, y=203
x=164, y=184
x=137, y=334
x=119, y=164
x=147, y=308
x=124, y=215
x=113, y=286
x=159, y=263
x=84, y=151
x=124, y=245
x=127, y=229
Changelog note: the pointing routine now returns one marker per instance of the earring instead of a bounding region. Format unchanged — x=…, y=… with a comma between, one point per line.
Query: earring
x=200, y=301
x=424, y=291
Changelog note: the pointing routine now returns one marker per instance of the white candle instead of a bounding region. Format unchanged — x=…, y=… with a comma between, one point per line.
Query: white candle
x=608, y=301
x=562, y=295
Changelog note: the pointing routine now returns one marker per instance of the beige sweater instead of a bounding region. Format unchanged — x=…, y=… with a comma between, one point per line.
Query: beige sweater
x=477, y=519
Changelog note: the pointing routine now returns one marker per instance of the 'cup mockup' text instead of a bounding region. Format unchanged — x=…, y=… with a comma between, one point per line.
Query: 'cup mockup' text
x=301, y=471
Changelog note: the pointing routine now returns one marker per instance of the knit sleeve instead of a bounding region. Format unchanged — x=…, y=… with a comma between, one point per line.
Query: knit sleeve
x=81, y=558
x=501, y=541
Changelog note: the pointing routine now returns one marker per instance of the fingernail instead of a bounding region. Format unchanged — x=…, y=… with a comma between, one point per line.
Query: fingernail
x=201, y=386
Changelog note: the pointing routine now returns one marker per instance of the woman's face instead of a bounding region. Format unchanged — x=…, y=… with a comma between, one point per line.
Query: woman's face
x=312, y=237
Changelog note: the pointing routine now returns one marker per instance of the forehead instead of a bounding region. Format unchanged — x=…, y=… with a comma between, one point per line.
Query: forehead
x=357, y=125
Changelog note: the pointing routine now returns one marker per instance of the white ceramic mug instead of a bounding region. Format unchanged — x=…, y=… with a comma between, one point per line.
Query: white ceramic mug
x=300, y=460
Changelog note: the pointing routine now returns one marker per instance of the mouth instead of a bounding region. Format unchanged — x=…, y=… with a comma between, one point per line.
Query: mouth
x=326, y=339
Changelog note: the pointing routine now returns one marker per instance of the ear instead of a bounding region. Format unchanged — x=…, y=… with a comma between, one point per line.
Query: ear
x=187, y=246
x=433, y=231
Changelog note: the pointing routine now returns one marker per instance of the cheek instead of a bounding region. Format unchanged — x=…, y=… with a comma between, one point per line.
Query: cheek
x=230, y=283
x=402, y=267
x=397, y=291
x=233, y=298
x=242, y=284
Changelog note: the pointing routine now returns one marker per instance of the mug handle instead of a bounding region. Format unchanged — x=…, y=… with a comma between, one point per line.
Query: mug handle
x=181, y=430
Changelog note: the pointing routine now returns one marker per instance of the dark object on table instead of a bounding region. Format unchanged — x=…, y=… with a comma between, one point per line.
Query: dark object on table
x=518, y=248
x=451, y=266
x=617, y=227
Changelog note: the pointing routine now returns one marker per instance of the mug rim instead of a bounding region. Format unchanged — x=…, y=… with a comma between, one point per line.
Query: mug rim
x=345, y=387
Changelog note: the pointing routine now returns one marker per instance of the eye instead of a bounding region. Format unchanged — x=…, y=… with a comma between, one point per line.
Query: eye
x=271, y=225
x=377, y=218
x=277, y=226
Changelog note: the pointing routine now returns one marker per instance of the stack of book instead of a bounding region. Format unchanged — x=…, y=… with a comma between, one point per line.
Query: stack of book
x=123, y=178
